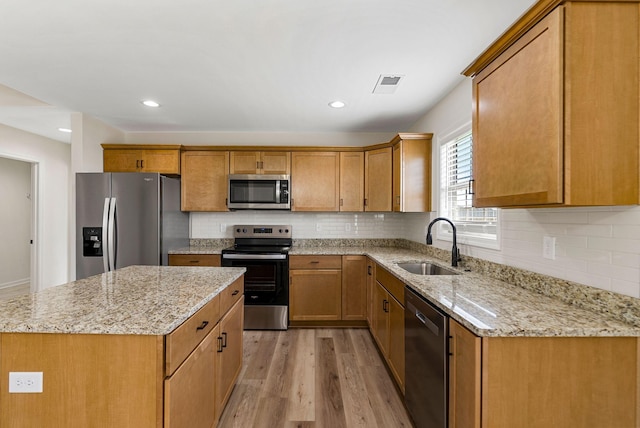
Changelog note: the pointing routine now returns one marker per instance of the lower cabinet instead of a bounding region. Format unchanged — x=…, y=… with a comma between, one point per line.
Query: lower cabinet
x=315, y=288
x=387, y=321
x=541, y=382
x=327, y=288
x=228, y=355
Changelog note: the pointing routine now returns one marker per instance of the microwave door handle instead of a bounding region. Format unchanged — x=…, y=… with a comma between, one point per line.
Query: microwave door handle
x=277, y=191
x=105, y=235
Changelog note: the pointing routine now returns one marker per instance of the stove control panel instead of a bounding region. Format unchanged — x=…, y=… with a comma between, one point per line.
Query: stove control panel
x=262, y=231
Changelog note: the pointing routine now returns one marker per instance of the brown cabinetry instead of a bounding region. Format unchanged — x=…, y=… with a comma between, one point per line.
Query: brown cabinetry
x=387, y=321
x=242, y=162
x=539, y=382
x=195, y=260
x=315, y=181
x=135, y=158
x=351, y=181
x=204, y=180
x=412, y=173
x=556, y=107
x=315, y=288
x=354, y=281
x=229, y=352
x=378, y=179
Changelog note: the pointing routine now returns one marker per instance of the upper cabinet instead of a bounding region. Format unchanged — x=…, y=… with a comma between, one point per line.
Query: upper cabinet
x=412, y=173
x=556, y=108
x=204, y=180
x=351, y=181
x=315, y=181
x=242, y=162
x=141, y=158
x=378, y=179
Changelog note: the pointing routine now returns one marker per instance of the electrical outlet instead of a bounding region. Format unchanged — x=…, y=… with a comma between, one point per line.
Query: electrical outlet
x=223, y=227
x=549, y=247
x=25, y=382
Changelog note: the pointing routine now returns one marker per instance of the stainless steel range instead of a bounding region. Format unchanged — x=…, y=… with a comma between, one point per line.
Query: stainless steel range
x=264, y=251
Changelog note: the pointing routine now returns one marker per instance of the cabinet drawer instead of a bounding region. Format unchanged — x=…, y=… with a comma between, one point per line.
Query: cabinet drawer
x=181, y=341
x=315, y=262
x=231, y=295
x=391, y=283
x=194, y=260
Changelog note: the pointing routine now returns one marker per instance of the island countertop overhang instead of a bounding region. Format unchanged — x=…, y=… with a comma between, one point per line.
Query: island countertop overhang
x=137, y=300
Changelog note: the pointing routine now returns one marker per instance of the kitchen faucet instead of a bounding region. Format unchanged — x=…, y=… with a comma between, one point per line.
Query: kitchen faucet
x=455, y=253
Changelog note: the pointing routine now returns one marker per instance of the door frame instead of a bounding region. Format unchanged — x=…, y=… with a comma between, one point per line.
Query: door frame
x=36, y=214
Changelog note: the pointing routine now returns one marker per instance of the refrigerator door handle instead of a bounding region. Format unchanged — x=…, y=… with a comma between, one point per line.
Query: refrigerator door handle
x=105, y=235
x=112, y=234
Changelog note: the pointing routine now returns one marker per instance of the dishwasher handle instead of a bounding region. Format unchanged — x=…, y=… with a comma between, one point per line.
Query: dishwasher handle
x=428, y=323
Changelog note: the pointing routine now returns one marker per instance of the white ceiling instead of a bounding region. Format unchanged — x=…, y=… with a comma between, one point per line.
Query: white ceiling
x=237, y=65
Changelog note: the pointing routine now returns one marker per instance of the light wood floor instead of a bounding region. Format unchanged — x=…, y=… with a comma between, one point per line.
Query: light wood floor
x=313, y=378
x=15, y=291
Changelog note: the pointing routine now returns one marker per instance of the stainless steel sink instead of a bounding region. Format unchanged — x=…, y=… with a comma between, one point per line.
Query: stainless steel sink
x=426, y=268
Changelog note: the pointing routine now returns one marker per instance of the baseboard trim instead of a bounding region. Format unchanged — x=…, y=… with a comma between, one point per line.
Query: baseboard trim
x=15, y=283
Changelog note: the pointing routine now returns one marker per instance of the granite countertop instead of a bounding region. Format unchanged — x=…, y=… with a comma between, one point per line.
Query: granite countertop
x=485, y=305
x=146, y=300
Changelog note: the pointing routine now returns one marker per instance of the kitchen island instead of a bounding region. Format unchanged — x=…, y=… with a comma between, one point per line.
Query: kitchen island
x=144, y=346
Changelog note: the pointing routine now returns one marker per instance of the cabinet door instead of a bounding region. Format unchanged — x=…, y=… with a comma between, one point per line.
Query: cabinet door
x=244, y=162
x=315, y=295
x=204, y=180
x=412, y=175
x=380, y=317
x=115, y=160
x=229, y=354
x=189, y=399
x=162, y=161
x=517, y=121
x=378, y=179
x=371, y=282
x=351, y=181
x=315, y=181
x=396, y=340
x=275, y=163
x=354, y=278
x=464, y=378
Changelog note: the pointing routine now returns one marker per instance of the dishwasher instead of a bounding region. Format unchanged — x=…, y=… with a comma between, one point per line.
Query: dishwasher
x=426, y=362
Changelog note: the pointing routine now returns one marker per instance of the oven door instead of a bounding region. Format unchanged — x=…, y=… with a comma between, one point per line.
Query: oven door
x=266, y=281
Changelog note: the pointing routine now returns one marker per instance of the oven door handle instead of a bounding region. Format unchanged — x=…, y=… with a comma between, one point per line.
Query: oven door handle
x=254, y=256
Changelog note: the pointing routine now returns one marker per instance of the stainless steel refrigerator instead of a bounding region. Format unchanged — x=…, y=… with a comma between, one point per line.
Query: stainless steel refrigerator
x=125, y=219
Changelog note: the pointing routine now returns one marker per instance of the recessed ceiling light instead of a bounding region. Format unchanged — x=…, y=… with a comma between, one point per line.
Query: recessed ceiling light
x=150, y=103
x=336, y=104
x=67, y=130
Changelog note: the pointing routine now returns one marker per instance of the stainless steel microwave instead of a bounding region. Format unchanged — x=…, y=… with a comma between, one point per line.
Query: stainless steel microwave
x=259, y=192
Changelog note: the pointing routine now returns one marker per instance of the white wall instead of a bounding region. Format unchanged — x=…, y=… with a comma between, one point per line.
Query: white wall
x=598, y=246
x=15, y=223
x=53, y=159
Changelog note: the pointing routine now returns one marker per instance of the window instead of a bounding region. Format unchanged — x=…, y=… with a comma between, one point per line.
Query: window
x=475, y=226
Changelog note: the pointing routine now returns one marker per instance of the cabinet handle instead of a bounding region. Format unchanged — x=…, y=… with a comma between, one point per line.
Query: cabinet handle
x=385, y=305
x=219, y=344
x=369, y=270
x=137, y=163
x=194, y=261
x=365, y=202
x=142, y=163
x=314, y=262
x=235, y=292
x=470, y=187
x=341, y=202
x=224, y=339
x=203, y=325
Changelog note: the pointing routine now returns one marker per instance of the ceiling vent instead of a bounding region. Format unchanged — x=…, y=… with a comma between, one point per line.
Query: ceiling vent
x=387, y=83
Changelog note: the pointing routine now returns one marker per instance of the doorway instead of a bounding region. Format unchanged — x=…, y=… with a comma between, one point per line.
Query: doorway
x=18, y=226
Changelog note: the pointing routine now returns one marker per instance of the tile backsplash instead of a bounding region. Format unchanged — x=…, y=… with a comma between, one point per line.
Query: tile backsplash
x=595, y=246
